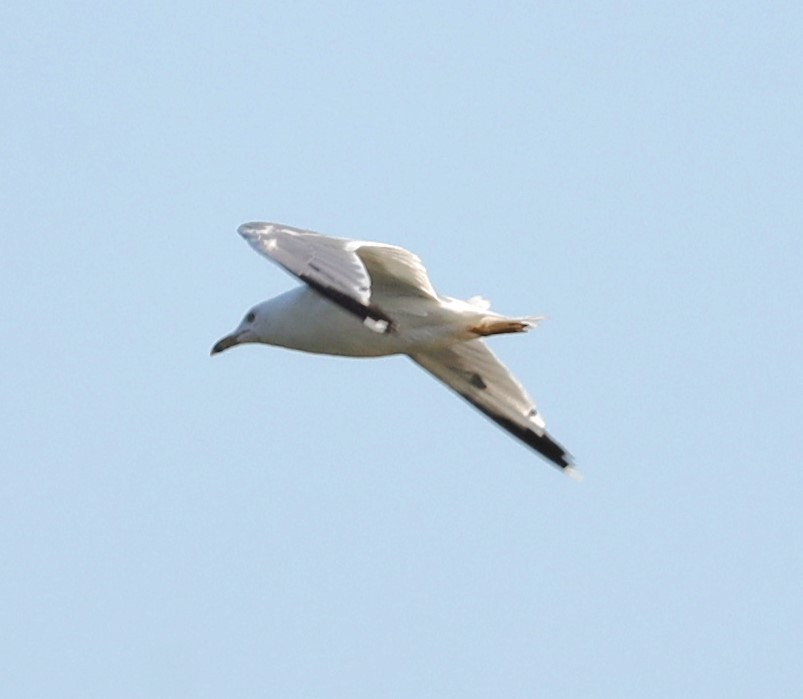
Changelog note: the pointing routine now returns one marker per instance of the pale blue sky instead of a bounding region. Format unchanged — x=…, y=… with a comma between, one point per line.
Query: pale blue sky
x=272, y=524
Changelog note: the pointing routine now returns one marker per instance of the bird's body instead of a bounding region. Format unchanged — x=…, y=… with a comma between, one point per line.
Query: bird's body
x=364, y=299
x=329, y=329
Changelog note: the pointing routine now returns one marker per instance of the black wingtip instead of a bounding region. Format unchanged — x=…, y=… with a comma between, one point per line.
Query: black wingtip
x=544, y=444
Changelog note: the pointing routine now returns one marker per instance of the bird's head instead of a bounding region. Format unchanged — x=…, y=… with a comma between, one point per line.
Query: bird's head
x=251, y=329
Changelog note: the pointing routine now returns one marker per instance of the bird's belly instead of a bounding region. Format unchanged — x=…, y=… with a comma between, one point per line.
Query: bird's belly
x=323, y=327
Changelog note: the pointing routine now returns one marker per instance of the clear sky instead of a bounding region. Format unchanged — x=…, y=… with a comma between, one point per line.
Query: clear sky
x=266, y=523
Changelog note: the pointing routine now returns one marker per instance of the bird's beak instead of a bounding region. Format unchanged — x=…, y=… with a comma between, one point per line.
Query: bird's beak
x=226, y=342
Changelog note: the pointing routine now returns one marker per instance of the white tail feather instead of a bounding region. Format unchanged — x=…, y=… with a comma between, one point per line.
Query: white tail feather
x=533, y=321
x=480, y=302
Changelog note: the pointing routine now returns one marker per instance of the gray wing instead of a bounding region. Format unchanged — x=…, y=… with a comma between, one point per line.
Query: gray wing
x=473, y=371
x=394, y=271
x=354, y=274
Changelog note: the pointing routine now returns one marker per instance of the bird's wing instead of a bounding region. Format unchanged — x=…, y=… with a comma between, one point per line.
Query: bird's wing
x=354, y=274
x=394, y=271
x=473, y=371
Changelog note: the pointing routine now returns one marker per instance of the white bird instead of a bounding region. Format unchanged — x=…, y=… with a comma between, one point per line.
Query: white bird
x=363, y=299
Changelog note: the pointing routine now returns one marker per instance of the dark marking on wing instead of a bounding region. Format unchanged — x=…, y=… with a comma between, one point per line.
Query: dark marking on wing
x=350, y=304
x=543, y=444
x=476, y=380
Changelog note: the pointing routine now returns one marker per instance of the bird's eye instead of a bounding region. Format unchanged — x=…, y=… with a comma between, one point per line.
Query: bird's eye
x=250, y=317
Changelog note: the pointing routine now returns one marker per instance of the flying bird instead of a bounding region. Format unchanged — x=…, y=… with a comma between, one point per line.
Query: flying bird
x=364, y=299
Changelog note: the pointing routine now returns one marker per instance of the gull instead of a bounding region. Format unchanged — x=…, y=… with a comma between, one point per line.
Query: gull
x=365, y=299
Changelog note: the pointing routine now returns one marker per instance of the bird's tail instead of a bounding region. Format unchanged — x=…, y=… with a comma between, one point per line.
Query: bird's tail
x=500, y=325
